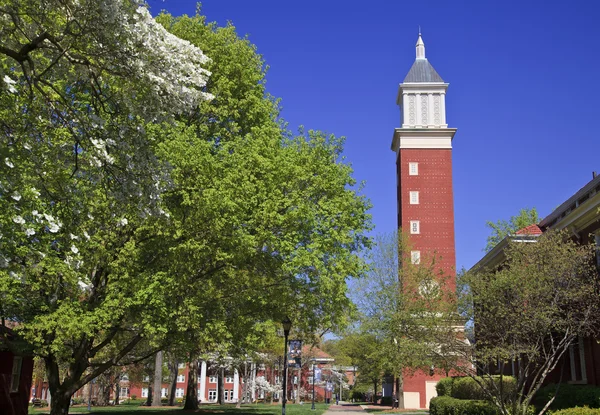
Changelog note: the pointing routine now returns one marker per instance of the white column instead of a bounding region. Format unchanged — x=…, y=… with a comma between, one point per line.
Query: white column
x=202, y=393
x=431, y=110
x=404, y=112
x=236, y=385
x=443, y=109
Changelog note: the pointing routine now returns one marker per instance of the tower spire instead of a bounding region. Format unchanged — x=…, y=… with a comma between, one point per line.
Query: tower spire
x=420, y=46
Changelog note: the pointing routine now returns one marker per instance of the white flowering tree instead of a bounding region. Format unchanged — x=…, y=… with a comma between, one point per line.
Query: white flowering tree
x=83, y=93
x=136, y=211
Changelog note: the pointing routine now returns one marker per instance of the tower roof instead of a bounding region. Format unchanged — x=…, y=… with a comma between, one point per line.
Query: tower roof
x=421, y=70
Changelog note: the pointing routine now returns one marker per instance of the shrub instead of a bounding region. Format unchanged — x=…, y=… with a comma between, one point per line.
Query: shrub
x=467, y=388
x=568, y=396
x=578, y=411
x=77, y=401
x=386, y=400
x=134, y=397
x=445, y=405
x=444, y=387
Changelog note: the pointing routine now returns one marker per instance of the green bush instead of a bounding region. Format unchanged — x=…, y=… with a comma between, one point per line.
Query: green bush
x=578, y=411
x=386, y=400
x=445, y=405
x=467, y=388
x=77, y=401
x=568, y=396
x=444, y=387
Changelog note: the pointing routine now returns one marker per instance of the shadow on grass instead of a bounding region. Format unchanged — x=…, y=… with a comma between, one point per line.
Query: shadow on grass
x=250, y=409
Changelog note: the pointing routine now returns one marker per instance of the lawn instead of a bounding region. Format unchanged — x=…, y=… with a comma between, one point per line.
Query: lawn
x=251, y=409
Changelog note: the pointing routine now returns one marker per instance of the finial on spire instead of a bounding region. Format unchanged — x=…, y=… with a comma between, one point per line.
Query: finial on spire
x=420, y=46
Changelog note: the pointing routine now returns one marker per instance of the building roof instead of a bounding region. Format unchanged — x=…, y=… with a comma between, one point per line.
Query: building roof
x=529, y=230
x=421, y=72
x=316, y=353
x=581, y=196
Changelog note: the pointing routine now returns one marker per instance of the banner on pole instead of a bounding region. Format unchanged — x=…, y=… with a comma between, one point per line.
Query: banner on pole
x=317, y=374
x=294, y=359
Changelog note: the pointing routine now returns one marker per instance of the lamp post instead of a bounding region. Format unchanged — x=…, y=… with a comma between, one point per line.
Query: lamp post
x=287, y=325
x=313, y=398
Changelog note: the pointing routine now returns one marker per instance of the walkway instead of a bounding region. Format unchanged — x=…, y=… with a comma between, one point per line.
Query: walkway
x=345, y=408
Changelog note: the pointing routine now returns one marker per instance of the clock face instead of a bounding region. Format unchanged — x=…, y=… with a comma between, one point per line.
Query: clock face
x=429, y=287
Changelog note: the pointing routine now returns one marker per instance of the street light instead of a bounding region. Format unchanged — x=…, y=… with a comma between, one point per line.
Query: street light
x=287, y=325
x=313, y=401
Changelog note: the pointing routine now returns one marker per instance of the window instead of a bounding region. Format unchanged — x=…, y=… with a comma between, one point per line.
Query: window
x=413, y=169
x=16, y=374
x=227, y=398
x=179, y=393
x=144, y=392
x=414, y=198
x=181, y=365
x=228, y=379
x=295, y=381
x=212, y=379
x=577, y=362
x=125, y=376
x=415, y=257
x=415, y=227
x=212, y=395
x=146, y=378
x=180, y=378
x=163, y=393
x=124, y=393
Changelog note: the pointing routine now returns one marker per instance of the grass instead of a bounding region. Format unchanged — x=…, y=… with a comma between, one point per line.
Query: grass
x=228, y=409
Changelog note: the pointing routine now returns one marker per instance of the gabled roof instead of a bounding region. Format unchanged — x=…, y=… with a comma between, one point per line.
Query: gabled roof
x=422, y=72
x=529, y=230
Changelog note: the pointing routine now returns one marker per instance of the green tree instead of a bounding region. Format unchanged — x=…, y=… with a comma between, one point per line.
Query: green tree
x=528, y=313
x=502, y=228
x=134, y=214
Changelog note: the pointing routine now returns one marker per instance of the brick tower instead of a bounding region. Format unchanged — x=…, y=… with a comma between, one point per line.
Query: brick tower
x=423, y=147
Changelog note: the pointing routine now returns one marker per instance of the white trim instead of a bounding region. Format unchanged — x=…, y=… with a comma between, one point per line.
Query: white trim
x=425, y=142
x=415, y=257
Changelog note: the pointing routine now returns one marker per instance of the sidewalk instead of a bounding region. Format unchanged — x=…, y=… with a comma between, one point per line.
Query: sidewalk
x=344, y=408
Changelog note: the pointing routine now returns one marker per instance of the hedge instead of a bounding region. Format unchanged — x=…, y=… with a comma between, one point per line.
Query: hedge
x=578, y=411
x=445, y=405
x=568, y=396
x=444, y=387
x=467, y=388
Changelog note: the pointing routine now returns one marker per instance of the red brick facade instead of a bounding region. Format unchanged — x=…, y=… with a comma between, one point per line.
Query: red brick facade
x=435, y=208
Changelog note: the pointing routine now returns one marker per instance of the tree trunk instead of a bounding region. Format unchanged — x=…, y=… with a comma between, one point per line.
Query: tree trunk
x=60, y=404
x=400, y=390
x=241, y=378
x=191, y=394
x=117, y=390
x=374, y=399
x=173, y=372
x=158, y=362
x=150, y=390
x=221, y=384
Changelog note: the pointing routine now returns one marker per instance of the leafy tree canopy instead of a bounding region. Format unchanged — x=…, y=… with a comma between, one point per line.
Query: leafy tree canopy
x=502, y=228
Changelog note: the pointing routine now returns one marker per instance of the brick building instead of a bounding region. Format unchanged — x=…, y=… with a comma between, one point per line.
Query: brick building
x=580, y=215
x=16, y=372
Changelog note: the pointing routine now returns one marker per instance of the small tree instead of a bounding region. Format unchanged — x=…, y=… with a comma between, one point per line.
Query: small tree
x=528, y=313
x=502, y=228
x=408, y=308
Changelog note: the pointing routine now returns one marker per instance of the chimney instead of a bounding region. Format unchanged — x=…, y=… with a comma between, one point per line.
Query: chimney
x=594, y=175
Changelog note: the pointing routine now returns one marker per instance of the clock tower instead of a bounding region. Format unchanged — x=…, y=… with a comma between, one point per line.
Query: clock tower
x=423, y=147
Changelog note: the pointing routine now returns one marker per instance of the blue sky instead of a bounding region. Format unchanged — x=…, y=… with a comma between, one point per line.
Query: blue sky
x=524, y=91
